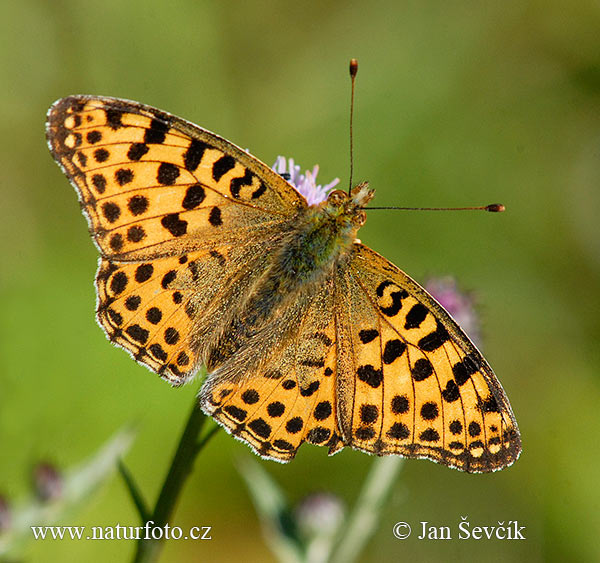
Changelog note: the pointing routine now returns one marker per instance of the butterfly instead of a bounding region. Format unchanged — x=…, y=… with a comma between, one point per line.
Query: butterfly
x=209, y=257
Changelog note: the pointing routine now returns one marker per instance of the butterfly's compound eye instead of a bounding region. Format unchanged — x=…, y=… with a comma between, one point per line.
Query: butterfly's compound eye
x=360, y=218
x=337, y=198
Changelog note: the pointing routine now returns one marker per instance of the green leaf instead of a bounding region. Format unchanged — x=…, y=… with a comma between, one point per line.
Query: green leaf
x=278, y=523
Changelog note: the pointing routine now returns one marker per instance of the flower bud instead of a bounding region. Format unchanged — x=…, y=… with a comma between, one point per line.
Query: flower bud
x=319, y=514
x=47, y=481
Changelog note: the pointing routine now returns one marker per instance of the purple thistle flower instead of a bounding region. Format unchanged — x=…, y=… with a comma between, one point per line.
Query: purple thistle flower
x=460, y=304
x=305, y=184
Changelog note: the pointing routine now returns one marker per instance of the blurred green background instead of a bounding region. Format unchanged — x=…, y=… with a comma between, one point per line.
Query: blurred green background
x=458, y=103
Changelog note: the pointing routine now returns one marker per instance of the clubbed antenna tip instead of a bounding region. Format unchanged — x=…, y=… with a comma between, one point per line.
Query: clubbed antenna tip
x=353, y=71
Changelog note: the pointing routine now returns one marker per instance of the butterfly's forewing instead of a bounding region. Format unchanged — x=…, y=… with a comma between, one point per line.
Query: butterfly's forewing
x=410, y=382
x=290, y=397
x=146, y=178
x=167, y=203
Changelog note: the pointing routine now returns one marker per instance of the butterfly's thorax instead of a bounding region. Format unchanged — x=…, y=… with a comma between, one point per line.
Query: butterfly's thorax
x=317, y=238
x=322, y=235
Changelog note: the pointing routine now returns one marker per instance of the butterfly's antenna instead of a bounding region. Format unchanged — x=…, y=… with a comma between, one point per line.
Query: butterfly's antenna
x=353, y=71
x=493, y=207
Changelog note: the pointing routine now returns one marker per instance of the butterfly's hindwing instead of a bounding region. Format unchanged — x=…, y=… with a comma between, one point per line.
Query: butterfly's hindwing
x=289, y=397
x=151, y=308
x=148, y=321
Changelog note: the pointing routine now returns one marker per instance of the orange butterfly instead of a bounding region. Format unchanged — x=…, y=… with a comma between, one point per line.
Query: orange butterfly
x=209, y=257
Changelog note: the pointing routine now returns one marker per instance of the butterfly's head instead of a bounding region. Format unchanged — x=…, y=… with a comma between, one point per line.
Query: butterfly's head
x=350, y=207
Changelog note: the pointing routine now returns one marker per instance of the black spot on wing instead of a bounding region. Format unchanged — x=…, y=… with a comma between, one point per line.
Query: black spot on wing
x=94, y=137
x=158, y=352
x=156, y=133
x=400, y=404
x=451, y=393
x=214, y=217
x=111, y=211
x=429, y=411
x=434, y=340
x=282, y=445
x=171, y=336
x=193, y=155
x=137, y=333
x=466, y=368
x=101, y=155
x=250, y=396
x=368, y=335
x=99, y=182
x=113, y=118
x=222, y=166
x=490, y=404
x=123, y=176
x=137, y=204
x=415, y=316
x=456, y=427
x=235, y=412
x=137, y=151
x=398, y=431
x=318, y=435
x=393, y=350
x=176, y=226
x=194, y=196
x=133, y=302
x=365, y=433
x=429, y=435
x=167, y=173
x=310, y=389
x=260, y=427
x=116, y=242
x=237, y=183
x=369, y=413
x=323, y=410
x=421, y=369
x=275, y=409
x=369, y=375
x=136, y=233
x=168, y=278
x=294, y=425
x=144, y=272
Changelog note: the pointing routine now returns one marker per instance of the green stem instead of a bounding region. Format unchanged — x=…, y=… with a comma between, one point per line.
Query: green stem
x=188, y=448
x=363, y=520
